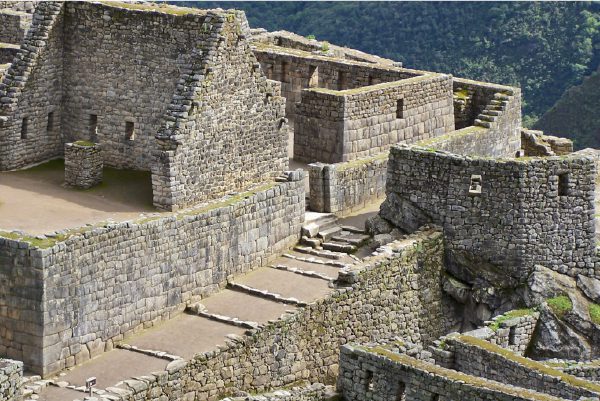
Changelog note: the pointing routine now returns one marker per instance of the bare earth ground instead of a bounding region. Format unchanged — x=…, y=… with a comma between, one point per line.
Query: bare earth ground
x=36, y=202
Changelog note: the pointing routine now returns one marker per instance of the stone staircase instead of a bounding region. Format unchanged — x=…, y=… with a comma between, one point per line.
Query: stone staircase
x=493, y=110
x=296, y=278
x=321, y=231
x=13, y=27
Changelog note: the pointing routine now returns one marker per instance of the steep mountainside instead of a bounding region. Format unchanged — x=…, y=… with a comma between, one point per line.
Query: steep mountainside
x=576, y=114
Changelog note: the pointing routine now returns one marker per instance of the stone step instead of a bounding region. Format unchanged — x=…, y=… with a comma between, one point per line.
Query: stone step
x=200, y=310
x=340, y=256
x=357, y=240
x=502, y=96
x=314, y=260
x=492, y=112
x=303, y=272
x=339, y=247
x=265, y=294
x=313, y=228
x=329, y=232
x=480, y=123
x=354, y=230
x=314, y=243
x=485, y=117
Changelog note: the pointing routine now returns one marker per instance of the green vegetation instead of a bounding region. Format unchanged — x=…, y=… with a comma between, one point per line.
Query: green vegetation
x=510, y=315
x=560, y=305
x=324, y=47
x=545, y=48
x=311, y=37
x=595, y=313
x=84, y=143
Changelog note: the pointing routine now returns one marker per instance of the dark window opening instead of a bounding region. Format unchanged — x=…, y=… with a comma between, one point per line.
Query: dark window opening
x=369, y=381
x=435, y=397
x=401, y=393
x=342, y=80
x=50, y=124
x=268, y=98
x=512, y=336
x=370, y=82
x=563, y=184
x=130, y=130
x=24, y=129
x=93, y=125
x=284, y=72
x=313, y=77
x=400, y=108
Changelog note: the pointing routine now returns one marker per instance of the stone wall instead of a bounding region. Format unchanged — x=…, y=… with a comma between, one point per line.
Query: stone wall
x=378, y=374
x=367, y=121
x=480, y=359
x=83, y=164
x=14, y=25
x=511, y=214
x=121, y=69
x=342, y=188
x=298, y=69
x=11, y=375
x=535, y=143
x=30, y=91
x=99, y=286
x=395, y=293
x=226, y=129
x=19, y=5
x=8, y=53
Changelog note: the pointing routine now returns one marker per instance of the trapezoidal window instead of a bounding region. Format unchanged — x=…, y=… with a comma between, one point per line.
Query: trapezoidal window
x=369, y=381
x=342, y=80
x=400, y=108
x=563, y=184
x=512, y=335
x=130, y=130
x=50, y=123
x=93, y=127
x=284, y=72
x=24, y=128
x=401, y=392
x=313, y=76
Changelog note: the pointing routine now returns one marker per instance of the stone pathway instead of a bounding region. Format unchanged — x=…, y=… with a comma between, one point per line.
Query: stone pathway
x=297, y=277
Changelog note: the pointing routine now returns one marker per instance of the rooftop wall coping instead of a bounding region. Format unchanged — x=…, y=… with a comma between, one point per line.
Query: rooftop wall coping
x=301, y=54
x=449, y=374
x=582, y=155
x=163, y=9
x=488, y=85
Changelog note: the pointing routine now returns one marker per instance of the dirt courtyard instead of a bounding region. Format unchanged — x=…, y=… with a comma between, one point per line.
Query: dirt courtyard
x=36, y=202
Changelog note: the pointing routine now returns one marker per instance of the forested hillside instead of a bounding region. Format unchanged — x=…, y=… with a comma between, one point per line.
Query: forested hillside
x=544, y=47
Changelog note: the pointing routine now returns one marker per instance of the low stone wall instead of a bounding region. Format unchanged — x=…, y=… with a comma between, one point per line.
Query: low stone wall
x=314, y=392
x=344, y=187
x=585, y=370
x=397, y=292
x=535, y=143
x=83, y=164
x=479, y=358
x=366, y=121
x=8, y=53
x=11, y=375
x=14, y=25
x=379, y=374
x=71, y=297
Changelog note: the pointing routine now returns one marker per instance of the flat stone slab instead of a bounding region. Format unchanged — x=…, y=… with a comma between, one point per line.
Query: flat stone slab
x=109, y=369
x=327, y=270
x=185, y=336
x=244, y=306
x=287, y=284
x=53, y=393
x=359, y=218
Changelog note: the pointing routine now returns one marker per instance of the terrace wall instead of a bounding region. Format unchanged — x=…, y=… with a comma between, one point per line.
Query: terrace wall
x=14, y=25
x=11, y=375
x=72, y=300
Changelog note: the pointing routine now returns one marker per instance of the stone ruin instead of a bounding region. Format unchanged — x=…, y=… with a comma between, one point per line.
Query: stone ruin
x=480, y=268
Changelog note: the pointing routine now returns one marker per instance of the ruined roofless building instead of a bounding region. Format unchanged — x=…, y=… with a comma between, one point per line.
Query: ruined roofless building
x=210, y=112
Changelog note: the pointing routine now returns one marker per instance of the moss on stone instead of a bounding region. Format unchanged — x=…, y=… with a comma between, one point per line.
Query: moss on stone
x=560, y=305
x=510, y=315
x=361, y=162
x=594, y=310
x=161, y=8
x=530, y=363
x=84, y=143
x=462, y=94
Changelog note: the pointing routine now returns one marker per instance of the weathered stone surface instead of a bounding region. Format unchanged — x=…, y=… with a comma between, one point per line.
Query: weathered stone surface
x=590, y=287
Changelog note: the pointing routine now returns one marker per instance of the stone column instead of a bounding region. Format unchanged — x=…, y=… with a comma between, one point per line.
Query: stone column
x=83, y=164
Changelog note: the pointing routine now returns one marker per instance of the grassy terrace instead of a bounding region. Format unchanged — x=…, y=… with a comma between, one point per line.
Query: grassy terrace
x=510, y=315
x=458, y=376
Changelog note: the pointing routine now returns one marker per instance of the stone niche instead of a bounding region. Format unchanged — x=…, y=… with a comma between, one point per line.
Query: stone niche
x=83, y=164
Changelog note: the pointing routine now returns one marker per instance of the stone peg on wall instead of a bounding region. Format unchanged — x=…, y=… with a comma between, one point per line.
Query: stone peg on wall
x=83, y=164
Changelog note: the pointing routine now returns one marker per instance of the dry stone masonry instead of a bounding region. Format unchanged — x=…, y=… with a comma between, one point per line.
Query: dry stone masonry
x=83, y=164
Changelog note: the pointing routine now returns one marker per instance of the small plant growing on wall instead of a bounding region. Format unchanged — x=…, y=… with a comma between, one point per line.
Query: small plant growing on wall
x=311, y=37
x=324, y=47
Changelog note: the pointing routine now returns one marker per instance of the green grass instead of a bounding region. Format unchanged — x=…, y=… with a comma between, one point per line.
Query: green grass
x=510, y=315
x=84, y=143
x=560, y=305
x=462, y=94
x=594, y=310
